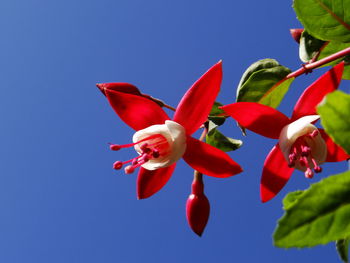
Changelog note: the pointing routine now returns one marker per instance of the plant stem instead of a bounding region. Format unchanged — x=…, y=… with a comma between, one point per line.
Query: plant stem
x=169, y=107
x=197, y=176
x=204, y=133
x=308, y=67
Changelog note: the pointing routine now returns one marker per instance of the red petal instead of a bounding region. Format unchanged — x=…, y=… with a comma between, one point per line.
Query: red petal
x=196, y=104
x=121, y=87
x=150, y=182
x=209, y=160
x=313, y=95
x=276, y=174
x=258, y=118
x=335, y=153
x=136, y=111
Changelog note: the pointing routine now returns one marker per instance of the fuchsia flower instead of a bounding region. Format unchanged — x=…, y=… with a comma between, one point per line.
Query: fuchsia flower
x=161, y=142
x=301, y=145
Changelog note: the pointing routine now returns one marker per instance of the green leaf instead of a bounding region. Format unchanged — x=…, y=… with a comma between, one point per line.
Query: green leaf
x=346, y=72
x=318, y=216
x=309, y=46
x=342, y=246
x=335, y=118
x=215, y=112
x=291, y=199
x=263, y=82
x=325, y=19
x=275, y=95
x=220, y=141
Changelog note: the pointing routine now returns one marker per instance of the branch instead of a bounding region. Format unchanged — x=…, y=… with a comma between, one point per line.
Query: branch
x=308, y=67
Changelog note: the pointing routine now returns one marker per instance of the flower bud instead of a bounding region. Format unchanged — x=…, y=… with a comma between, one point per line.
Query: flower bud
x=296, y=33
x=197, y=207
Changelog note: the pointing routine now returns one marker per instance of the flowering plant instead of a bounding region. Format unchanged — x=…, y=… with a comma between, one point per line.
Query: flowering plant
x=160, y=142
x=301, y=145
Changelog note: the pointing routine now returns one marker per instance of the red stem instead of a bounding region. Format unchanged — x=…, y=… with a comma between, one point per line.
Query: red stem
x=307, y=67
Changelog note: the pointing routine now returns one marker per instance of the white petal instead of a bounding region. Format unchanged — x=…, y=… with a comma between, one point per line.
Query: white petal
x=291, y=132
x=175, y=136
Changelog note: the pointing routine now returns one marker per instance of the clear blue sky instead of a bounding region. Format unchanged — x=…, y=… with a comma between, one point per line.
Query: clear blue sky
x=60, y=199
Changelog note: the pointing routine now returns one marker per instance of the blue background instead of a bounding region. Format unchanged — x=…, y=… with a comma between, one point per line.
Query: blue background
x=60, y=199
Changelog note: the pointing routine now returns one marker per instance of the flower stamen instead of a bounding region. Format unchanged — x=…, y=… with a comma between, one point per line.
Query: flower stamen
x=301, y=156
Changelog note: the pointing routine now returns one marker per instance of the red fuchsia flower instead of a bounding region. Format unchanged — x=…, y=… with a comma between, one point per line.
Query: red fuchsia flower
x=197, y=206
x=301, y=145
x=161, y=142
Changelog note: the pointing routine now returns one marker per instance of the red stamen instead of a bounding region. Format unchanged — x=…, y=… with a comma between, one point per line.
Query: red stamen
x=129, y=169
x=317, y=168
x=303, y=161
x=155, y=153
x=117, y=165
x=114, y=147
x=145, y=158
x=305, y=150
x=144, y=148
x=150, y=147
x=314, y=133
x=309, y=173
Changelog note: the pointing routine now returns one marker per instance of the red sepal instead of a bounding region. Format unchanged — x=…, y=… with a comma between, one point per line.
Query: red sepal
x=150, y=182
x=197, y=102
x=275, y=175
x=136, y=111
x=314, y=94
x=258, y=118
x=121, y=87
x=209, y=160
x=335, y=153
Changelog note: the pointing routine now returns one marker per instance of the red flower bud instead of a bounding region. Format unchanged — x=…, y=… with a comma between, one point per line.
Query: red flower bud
x=197, y=207
x=296, y=33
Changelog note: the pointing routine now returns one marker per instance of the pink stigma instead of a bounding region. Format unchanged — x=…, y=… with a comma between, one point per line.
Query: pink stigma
x=300, y=153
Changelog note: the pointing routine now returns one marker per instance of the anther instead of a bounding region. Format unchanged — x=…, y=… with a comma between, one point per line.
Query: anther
x=292, y=159
x=117, y=165
x=305, y=151
x=302, y=161
x=314, y=133
x=155, y=153
x=129, y=169
x=317, y=168
x=144, y=148
x=309, y=173
x=145, y=158
x=114, y=147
